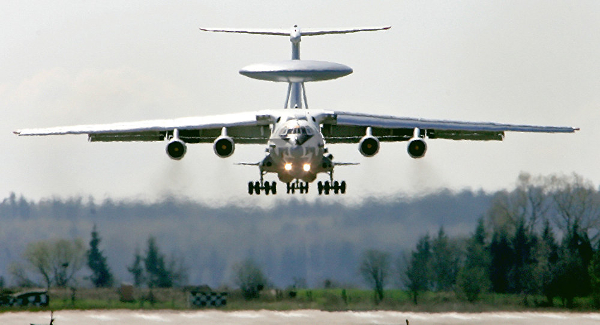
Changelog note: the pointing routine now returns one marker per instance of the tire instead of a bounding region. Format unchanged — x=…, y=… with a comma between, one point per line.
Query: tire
x=257, y=188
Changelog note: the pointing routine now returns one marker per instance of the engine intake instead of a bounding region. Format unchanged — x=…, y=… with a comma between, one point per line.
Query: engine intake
x=417, y=148
x=176, y=149
x=224, y=146
x=368, y=146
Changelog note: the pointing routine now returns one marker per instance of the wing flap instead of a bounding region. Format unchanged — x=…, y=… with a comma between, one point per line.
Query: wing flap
x=465, y=135
x=127, y=137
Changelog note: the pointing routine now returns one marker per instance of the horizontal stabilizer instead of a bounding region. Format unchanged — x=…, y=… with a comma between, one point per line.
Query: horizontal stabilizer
x=286, y=32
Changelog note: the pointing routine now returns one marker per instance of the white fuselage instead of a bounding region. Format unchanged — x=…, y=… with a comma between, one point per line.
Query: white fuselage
x=296, y=148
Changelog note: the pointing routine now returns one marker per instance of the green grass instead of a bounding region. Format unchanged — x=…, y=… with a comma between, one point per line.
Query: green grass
x=320, y=299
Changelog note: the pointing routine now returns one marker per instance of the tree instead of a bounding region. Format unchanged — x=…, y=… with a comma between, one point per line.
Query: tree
x=473, y=278
x=57, y=261
x=527, y=203
x=547, y=258
x=157, y=274
x=250, y=278
x=576, y=201
x=501, y=261
x=375, y=269
x=572, y=276
x=418, y=272
x=445, y=262
x=96, y=261
x=523, y=246
x=594, y=271
x=136, y=269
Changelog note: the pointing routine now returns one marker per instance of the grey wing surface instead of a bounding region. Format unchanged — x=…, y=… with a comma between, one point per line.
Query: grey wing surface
x=252, y=127
x=348, y=127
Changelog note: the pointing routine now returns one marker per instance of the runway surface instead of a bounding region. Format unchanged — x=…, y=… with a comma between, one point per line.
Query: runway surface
x=298, y=317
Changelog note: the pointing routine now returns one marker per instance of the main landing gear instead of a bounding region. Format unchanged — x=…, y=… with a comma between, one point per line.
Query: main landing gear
x=333, y=186
x=267, y=187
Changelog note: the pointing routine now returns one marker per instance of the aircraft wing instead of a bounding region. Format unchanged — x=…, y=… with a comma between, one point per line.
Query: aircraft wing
x=251, y=127
x=348, y=127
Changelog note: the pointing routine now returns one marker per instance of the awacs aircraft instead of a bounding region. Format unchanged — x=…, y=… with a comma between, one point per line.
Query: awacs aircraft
x=296, y=137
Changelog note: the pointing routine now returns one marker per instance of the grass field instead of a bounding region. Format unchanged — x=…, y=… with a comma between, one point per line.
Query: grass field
x=321, y=299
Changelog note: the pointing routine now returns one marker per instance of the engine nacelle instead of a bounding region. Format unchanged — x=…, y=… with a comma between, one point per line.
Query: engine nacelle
x=176, y=149
x=417, y=148
x=368, y=146
x=224, y=146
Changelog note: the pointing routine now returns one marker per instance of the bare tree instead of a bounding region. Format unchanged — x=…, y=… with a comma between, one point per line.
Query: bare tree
x=576, y=201
x=375, y=269
x=56, y=261
x=527, y=204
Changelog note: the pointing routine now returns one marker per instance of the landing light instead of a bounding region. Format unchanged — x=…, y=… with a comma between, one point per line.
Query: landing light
x=306, y=167
x=288, y=166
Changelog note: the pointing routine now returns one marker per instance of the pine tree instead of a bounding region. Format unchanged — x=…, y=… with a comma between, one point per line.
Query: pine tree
x=473, y=278
x=444, y=262
x=136, y=269
x=96, y=261
x=523, y=245
x=501, y=261
x=418, y=272
x=156, y=269
x=547, y=257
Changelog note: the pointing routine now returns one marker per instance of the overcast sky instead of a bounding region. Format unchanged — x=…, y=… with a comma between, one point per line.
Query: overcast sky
x=82, y=62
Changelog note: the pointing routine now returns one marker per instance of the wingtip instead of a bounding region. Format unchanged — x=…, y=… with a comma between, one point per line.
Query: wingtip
x=17, y=132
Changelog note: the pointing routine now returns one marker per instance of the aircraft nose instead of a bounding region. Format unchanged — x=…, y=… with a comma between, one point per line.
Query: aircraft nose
x=296, y=151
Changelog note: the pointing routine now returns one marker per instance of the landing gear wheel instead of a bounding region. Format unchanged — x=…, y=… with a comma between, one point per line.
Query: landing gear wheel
x=267, y=188
x=250, y=188
x=326, y=187
x=257, y=188
x=343, y=187
x=320, y=187
x=273, y=187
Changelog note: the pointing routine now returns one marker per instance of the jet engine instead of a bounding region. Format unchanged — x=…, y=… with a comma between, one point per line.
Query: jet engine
x=176, y=149
x=417, y=148
x=368, y=146
x=224, y=146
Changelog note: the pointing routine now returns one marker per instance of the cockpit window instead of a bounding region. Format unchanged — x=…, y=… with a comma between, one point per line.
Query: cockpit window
x=304, y=133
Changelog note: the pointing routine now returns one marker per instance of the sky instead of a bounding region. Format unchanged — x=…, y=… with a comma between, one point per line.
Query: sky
x=73, y=62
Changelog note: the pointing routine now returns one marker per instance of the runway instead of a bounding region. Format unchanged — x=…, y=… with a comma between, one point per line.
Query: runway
x=298, y=317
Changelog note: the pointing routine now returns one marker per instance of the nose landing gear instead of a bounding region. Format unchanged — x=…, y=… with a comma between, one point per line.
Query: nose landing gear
x=302, y=187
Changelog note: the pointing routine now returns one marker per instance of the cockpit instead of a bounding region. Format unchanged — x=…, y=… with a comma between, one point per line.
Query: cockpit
x=301, y=133
x=302, y=130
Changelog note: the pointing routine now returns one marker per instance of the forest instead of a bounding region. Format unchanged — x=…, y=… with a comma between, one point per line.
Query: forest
x=538, y=239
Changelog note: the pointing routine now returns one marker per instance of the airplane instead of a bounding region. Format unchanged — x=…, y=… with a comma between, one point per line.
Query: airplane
x=296, y=137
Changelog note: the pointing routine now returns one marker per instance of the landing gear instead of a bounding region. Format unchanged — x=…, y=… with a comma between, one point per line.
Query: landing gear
x=257, y=187
x=302, y=187
x=334, y=187
x=267, y=187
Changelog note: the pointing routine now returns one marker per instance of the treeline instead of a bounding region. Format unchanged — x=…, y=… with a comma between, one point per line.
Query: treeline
x=541, y=239
x=292, y=240
x=537, y=240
